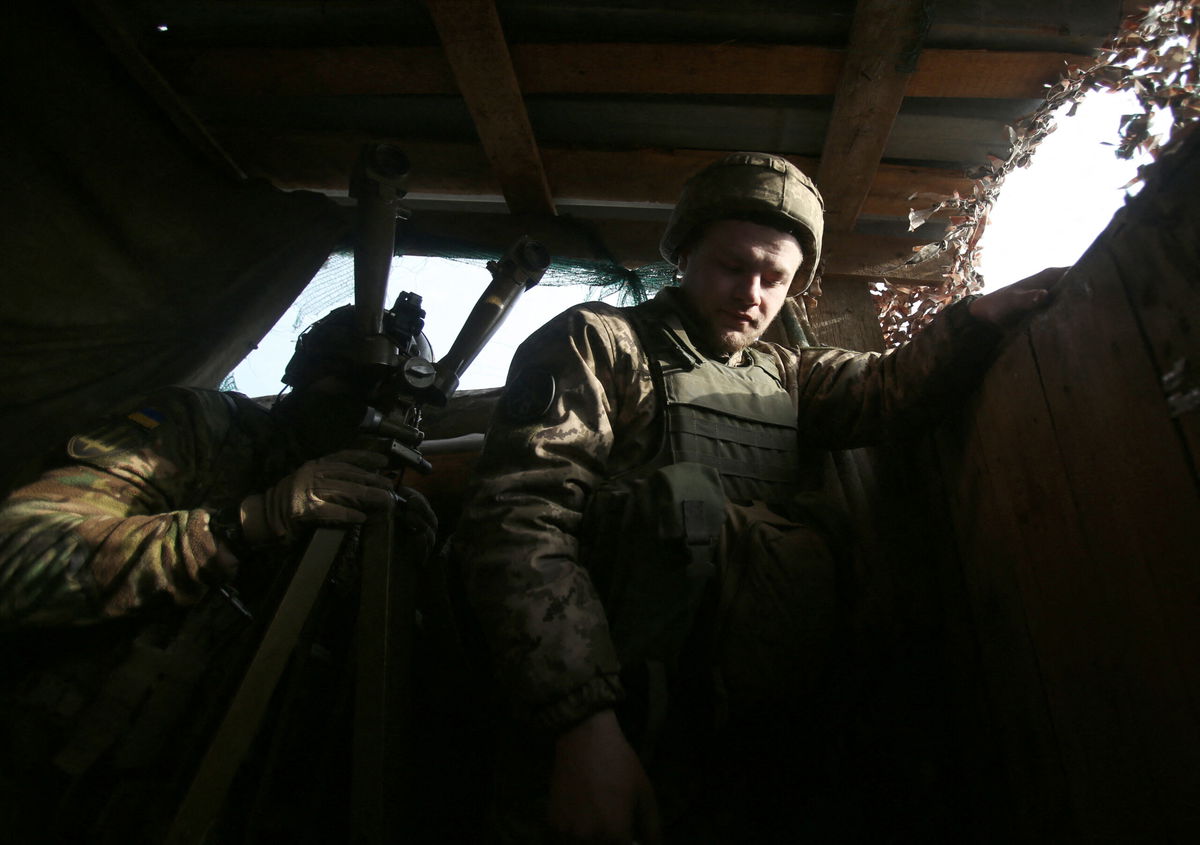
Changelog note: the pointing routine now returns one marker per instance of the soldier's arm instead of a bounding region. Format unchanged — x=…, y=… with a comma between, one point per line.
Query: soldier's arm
x=848, y=399
x=545, y=452
x=120, y=526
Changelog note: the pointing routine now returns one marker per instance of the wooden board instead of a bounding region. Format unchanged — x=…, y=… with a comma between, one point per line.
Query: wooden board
x=869, y=93
x=604, y=69
x=634, y=243
x=478, y=55
x=649, y=177
x=1158, y=262
x=1074, y=492
x=987, y=531
x=1133, y=495
x=846, y=314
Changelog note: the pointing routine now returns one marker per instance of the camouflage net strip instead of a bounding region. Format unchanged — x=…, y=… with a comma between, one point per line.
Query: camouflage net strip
x=1154, y=56
x=334, y=284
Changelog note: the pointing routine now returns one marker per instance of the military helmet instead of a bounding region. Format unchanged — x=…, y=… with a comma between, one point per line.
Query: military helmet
x=332, y=346
x=759, y=187
x=327, y=347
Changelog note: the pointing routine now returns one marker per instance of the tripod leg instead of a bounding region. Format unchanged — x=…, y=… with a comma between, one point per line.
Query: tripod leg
x=202, y=805
x=383, y=652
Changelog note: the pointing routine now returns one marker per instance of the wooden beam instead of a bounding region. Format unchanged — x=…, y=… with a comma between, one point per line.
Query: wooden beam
x=881, y=257
x=605, y=69
x=478, y=55
x=884, y=38
x=633, y=243
x=846, y=315
x=323, y=162
x=989, y=74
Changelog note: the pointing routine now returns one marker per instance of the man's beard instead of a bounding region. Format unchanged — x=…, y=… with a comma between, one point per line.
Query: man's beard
x=717, y=341
x=727, y=342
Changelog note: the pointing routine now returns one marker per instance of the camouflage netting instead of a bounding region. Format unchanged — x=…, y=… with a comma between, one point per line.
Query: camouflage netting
x=1154, y=55
x=603, y=276
x=334, y=284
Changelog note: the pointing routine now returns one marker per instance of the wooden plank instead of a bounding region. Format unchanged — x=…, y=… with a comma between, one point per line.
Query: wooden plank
x=986, y=528
x=1082, y=657
x=1157, y=259
x=990, y=74
x=647, y=176
x=478, y=54
x=846, y=314
x=631, y=242
x=677, y=69
x=984, y=798
x=1136, y=505
x=854, y=254
x=343, y=71
x=884, y=36
x=201, y=807
x=605, y=69
x=1079, y=553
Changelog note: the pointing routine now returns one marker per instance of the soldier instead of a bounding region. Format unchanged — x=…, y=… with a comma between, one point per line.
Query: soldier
x=116, y=571
x=645, y=547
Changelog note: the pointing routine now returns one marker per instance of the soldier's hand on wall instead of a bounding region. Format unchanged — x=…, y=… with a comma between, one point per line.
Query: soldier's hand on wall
x=336, y=489
x=1006, y=307
x=599, y=792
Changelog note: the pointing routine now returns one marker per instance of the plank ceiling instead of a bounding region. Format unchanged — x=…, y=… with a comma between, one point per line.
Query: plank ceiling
x=578, y=121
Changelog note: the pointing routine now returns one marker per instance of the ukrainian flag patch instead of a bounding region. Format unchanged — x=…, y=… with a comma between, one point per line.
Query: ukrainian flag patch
x=148, y=418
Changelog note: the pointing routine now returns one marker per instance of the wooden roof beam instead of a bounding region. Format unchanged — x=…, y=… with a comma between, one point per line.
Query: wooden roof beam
x=884, y=39
x=606, y=69
x=474, y=44
x=633, y=243
x=649, y=176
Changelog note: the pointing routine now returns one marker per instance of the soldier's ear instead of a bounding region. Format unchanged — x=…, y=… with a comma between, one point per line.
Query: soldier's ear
x=684, y=255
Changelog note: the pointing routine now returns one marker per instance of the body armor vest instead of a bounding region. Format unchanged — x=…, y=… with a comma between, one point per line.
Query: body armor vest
x=650, y=535
x=739, y=421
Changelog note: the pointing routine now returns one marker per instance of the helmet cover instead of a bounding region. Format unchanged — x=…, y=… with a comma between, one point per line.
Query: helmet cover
x=760, y=187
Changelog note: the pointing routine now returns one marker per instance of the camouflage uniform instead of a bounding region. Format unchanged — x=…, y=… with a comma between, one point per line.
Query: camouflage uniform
x=126, y=524
x=537, y=605
x=96, y=559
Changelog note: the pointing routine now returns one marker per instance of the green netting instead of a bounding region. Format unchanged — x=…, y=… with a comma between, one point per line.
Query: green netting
x=603, y=274
x=334, y=284
x=635, y=286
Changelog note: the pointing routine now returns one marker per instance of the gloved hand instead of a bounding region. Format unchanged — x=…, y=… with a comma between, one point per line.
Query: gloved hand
x=337, y=489
x=417, y=518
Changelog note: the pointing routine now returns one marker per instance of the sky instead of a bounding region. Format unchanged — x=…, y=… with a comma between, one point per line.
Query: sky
x=448, y=289
x=1046, y=216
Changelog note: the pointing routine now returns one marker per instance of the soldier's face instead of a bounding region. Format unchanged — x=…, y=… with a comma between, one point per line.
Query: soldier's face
x=735, y=278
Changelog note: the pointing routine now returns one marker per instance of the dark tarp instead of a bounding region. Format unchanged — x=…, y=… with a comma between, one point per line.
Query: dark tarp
x=132, y=259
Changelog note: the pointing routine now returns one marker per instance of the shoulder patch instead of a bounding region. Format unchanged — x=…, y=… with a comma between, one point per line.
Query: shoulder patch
x=529, y=395
x=111, y=437
x=148, y=418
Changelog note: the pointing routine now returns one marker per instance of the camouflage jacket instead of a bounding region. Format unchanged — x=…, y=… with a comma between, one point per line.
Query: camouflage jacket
x=536, y=604
x=125, y=524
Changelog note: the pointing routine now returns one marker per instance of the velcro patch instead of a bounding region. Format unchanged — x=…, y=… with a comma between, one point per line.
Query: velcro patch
x=529, y=395
x=109, y=438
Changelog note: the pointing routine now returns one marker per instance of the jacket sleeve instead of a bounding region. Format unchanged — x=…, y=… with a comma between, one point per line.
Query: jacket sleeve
x=849, y=399
x=546, y=629
x=119, y=527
